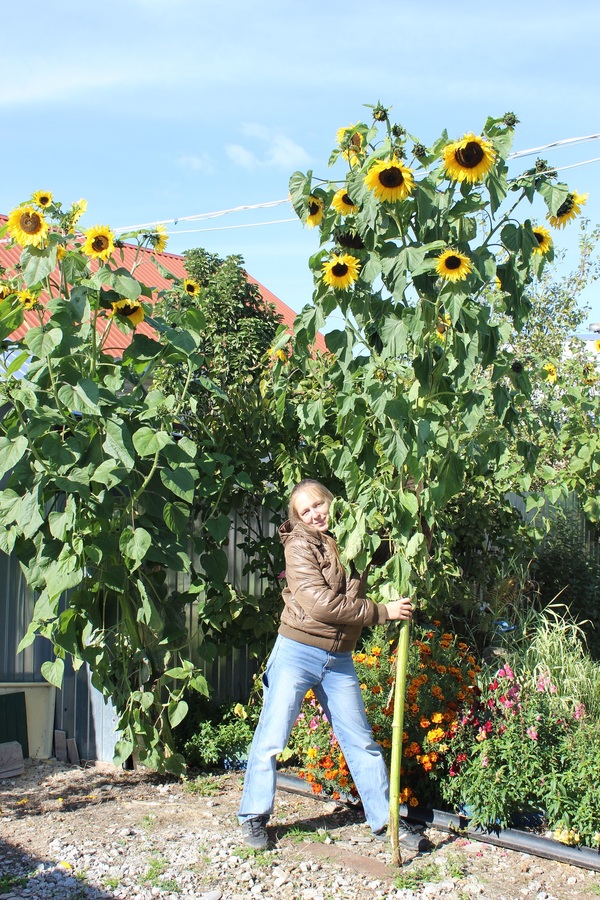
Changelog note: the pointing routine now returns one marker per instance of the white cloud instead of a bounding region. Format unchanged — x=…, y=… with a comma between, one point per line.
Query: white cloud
x=241, y=156
x=279, y=151
x=196, y=162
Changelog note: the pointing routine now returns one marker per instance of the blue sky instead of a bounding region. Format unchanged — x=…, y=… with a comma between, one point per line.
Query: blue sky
x=161, y=109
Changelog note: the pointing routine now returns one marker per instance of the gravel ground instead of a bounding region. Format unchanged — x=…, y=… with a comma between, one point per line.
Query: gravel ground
x=97, y=833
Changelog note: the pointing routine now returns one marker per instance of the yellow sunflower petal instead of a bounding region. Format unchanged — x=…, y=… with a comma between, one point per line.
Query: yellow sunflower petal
x=315, y=211
x=42, y=198
x=27, y=226
x=390, y=180
x=341, y=271
x=569, y=209
x=469, y=159
x=343, y=203
x=99, y=242
x=452, y=265
x=544, y=240
x=191, y=287
x=131, y=309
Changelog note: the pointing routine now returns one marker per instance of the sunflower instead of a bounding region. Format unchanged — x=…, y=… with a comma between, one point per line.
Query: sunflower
x=6, y=290
x=469, y=159
x=158, y=238
x=131, y=309
x=315, y=211
x=570, y=208
x=343, y=203
x=551, y=373
x=27, y=299
x=543, y=238
x=597, y=346
x=390, y=180
x=77, y=210
x=191, y=287
x=452, y=265
x=42, y=198
x=27, y=226
x=99, y=242
x=340, y=272
x=351, y=143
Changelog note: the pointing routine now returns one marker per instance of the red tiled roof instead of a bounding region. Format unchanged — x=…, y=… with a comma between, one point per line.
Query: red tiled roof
x=148, y=274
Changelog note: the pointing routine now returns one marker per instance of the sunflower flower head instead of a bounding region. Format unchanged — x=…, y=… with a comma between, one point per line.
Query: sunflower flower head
x=544, y=240
x=27, y=226
x=26, y=299
x=42, y=199
x=569, y=209
x=350, y=142
x=132, y=310
x=157, y=238
x=315, y=211
x=551, y=373
x=77, y=210
x=390, y=180
x=340, y=271
x=99, y=242
x=343, y=203
x=191, y=287
x=469, y=159
x=452, y=265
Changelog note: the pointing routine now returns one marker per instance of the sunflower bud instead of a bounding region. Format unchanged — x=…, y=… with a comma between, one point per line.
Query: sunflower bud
x=510, y=120
x=517, y=367
x=398, y=131
x=380, y=113
x=419, y=151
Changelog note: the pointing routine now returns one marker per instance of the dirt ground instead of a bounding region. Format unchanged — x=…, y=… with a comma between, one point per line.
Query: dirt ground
x=55, y=801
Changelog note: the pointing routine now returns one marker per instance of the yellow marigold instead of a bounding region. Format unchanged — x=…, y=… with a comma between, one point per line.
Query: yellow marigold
x=376, y=651
x=310, y=695
x=435, y=735
x=405, y=794
x=312, y=753
x=360, y=657
x=437, y=717
x=363, y=687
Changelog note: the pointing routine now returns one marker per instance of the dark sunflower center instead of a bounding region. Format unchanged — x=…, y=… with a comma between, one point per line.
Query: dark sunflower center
x=44, y=201
x=313, y=209
x=128, y=309
x=566, y=207
x=391, y=178
x=347, y=200
x=99, y=244
x=190, y=288
x=30, y=223
x=539, y=237
x=452, y=262
x=469, y=156
x=339, y=270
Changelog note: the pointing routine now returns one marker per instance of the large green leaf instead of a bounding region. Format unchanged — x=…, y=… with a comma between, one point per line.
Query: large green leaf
x=11, y=451
x=42, y=342
x=180, y=482
x=134, y=544
x=148, y=441
x=38, y=263
x=54, y=671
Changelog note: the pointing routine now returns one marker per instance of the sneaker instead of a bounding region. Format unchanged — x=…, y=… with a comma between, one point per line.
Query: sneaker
x=254, y=832
x=381, y=834
x=412, y=837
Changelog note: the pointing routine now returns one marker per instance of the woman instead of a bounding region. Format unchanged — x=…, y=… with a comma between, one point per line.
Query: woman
x=324, y=614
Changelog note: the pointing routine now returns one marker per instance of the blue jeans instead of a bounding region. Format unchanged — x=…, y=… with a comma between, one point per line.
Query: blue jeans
x=292, y=670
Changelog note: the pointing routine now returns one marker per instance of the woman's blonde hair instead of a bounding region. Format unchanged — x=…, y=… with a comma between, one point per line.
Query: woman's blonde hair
x=314, y=489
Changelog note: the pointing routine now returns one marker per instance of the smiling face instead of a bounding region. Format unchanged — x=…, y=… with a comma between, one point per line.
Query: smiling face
x=312, y=509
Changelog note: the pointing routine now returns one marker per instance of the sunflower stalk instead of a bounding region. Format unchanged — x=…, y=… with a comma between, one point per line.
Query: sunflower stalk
x=397, y=730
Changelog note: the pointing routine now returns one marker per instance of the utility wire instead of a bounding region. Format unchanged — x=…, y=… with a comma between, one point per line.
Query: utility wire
x=271, y=203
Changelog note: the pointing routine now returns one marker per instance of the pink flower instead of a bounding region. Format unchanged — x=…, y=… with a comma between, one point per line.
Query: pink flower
x=532, y=733
x=579, y=711
x=281, y=575
x=484, y=761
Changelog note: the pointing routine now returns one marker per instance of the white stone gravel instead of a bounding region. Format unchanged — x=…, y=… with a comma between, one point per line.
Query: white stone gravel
x=83, y=835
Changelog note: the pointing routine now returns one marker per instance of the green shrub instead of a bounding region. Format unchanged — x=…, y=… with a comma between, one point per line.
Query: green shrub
x=219, y=740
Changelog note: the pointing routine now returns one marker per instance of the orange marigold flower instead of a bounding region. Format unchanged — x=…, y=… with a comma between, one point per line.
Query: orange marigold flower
x=405, y=793
x=463, y=646
x=331, y=774
x=413, y=801
x=376, y=689
x=343, y=781
x=327, y=762
x=371, y=661
x=336, y=795
x=437, y=717
x=442, y=670
x=414, y=708
x=404, y=737
x=360, y=657
x=386, y=743
x=363, y=687
x=316, y=788
x=424, y=722
x=471, y=660
x=437, y=692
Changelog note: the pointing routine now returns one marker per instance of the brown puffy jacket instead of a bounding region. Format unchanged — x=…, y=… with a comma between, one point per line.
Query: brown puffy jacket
x=323, y=606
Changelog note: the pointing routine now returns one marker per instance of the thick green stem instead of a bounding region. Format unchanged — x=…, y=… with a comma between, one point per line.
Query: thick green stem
x=397, y=730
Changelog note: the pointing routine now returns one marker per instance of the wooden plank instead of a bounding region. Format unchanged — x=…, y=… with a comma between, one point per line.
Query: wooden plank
x=72, y=751
x=11, y=759
x=60, y=746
